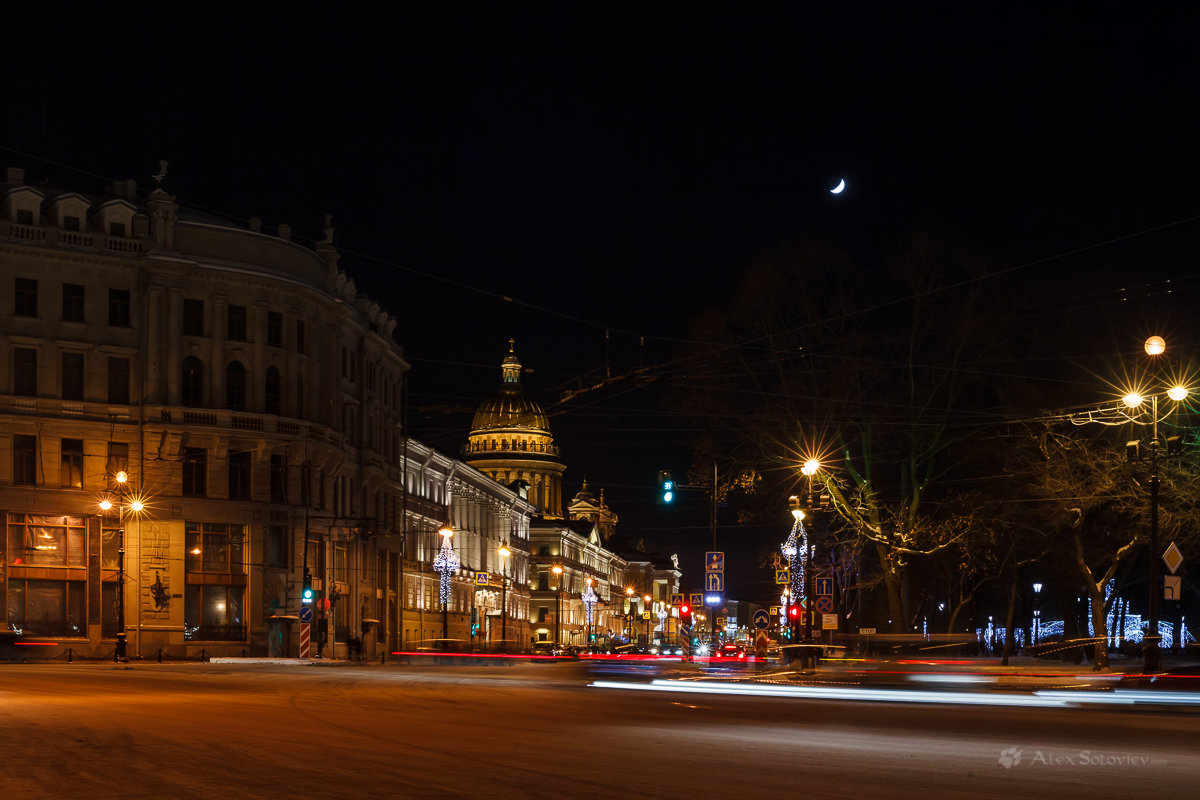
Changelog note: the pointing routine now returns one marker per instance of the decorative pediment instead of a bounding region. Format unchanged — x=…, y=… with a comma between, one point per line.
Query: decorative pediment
x=114, y=218
x=23, y=205
x=68, y=211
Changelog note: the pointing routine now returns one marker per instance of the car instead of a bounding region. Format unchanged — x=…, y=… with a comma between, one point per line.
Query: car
x=731, y=651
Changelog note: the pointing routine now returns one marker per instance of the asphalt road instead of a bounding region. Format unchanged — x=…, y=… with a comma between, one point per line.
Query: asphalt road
x=231, y=731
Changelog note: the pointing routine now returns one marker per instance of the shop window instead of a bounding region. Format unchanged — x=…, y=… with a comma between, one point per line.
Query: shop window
x=39, y=540
x=47, y=607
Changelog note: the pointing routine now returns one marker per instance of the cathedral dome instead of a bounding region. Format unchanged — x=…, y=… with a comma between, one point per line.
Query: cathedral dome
x=510, y=409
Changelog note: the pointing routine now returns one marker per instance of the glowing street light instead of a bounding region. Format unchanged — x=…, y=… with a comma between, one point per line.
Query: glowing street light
x=124, y=504
x=445, y=563
x=504, y=553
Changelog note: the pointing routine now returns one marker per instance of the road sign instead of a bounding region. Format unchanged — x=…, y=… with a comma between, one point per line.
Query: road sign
x=1172, y=585
x=676, y=599
x=824, y=586
x=829, y=622
x=1172, y=558
x=305, y=638
x=714, y=581
x=775, y=611
x=823, y=605
x=481, y=579
x=696, y=600
x=714, y=562
x=722, y=622
x=867, y=631
x=645, y=615
x=781, y=577
x=306, y=613
x=762, y=619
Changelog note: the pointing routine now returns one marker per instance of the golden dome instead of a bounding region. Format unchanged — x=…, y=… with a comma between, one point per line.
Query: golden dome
x=510, y=409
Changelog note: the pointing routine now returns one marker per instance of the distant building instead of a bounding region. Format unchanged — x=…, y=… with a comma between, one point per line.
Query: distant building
x=251, y=396
x=510, y=440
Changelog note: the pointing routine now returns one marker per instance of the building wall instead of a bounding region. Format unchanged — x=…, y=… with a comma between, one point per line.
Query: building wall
x=254, y=398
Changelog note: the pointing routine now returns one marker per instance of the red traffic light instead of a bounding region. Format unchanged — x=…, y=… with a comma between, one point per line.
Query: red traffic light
x=684, y=610
x=794, y=611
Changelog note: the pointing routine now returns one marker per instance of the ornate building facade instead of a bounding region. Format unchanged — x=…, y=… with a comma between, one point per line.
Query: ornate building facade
x=252, y=399
x=581, y=589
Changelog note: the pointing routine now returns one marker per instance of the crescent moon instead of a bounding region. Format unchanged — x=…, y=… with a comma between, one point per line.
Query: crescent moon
x=839, y=188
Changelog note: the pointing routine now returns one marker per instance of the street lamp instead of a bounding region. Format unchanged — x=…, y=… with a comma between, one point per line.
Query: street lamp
x=504, y=554
x=445, y=563
x=135, y=505
x=629, y=611
x=646, y=614
x=1155, y=346
x=810, y=468
x=558, y=570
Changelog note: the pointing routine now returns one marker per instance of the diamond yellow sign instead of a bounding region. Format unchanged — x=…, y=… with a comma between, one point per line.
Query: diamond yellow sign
x=1172, y=558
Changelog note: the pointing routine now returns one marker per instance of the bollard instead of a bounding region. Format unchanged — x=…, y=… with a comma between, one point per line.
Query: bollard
x=202, y=657
x=160, y=655
x=70, y=655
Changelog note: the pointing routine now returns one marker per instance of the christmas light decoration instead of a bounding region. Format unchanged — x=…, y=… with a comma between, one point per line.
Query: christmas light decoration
x=589, y=603
x=446, y=563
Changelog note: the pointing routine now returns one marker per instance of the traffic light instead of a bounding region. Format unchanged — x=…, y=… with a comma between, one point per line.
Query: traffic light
x=306, y=596
x=685, y=614
x=666, y=487
x=794, y=612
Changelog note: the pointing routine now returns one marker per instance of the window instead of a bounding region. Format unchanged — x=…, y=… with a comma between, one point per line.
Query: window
x=193, y=382
x=47, y=607
x=71, y=471
x=46, y=541
x=118, y=460
x=275, y=550
x=25, y=297
x=24, y=459
x=116, y=229
x=278, y=479
x=300, y=343
x=213, y=608
x=195, y=472
x=235, y=328
x=274, y=329
x=118, y=308
x=25, y=371
x=72, y=376
x=193, y=317
x=71, y=223
x=273, y=390
x=239, y=475
x=213, y=547
x=24, y=216
x=300, y=397
x=235, y=386
x=118, y=380
x=72, y=302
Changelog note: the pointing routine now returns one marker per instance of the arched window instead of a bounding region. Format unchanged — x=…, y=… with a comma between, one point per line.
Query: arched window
x=235, y=386
x=272, y=391
x=193, y=382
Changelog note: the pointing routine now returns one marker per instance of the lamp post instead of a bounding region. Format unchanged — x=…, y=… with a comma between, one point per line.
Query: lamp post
x=629, y=611
x=796, y=543
x=646, y=614
x=589, y=609
x=504, y=554
x=810, y=551
x=135, y=505
x=558, y=571
x=444, y=564
x=1154, y=346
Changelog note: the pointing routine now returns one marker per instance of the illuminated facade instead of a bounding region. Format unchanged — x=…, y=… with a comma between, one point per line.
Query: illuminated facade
x=253, y=397
x=510, y=440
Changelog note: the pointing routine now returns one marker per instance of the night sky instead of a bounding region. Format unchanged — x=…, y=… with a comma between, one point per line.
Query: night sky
x=616, y=167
